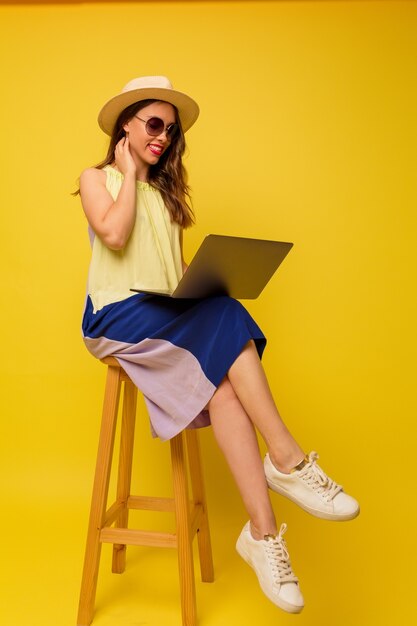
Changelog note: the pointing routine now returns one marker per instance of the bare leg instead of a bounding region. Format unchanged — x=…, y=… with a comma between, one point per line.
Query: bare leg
x=236, y=437
x=249, y=382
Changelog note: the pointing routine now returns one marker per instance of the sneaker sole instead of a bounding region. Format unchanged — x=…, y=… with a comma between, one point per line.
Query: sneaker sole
x=285, y=606
x=316, y=512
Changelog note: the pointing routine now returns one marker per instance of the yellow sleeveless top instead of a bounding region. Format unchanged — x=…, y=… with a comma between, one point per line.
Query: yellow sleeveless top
x=151, y=259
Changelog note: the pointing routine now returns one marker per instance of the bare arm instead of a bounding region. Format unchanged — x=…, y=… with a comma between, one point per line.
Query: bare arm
x=111, y=220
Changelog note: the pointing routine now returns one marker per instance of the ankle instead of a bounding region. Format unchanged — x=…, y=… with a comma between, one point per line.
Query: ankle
x=286, y=462
x=260, y=531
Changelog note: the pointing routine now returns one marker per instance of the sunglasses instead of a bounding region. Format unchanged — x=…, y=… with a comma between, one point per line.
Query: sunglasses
x=154, y=126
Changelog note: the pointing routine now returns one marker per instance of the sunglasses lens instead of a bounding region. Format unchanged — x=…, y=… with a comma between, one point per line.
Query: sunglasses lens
x=154, y=126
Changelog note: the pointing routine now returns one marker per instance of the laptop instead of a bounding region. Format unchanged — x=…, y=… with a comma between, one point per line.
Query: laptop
x=239, y=267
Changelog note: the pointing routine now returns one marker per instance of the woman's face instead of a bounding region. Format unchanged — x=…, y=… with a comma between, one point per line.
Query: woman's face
x=147, y=149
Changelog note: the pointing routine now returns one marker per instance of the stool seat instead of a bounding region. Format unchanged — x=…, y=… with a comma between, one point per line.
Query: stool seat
x=109, y=524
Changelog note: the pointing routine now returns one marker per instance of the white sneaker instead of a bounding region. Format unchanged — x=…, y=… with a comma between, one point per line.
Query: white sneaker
x=312, y=490
x=270, y=559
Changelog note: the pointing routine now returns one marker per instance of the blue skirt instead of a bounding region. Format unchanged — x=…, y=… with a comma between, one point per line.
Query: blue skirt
x=176, y=352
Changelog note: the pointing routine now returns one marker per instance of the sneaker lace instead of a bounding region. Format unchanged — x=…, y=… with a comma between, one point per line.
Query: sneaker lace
x=279, y=558
x=314, y=476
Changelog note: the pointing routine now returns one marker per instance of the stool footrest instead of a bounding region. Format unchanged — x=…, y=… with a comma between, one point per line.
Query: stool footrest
x=133, y=537
x=130, y=537
x=150, y=503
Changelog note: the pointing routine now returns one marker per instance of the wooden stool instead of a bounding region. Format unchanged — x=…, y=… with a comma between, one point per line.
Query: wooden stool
x=110, y=524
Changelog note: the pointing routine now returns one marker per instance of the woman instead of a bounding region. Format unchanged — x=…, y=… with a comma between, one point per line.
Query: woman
x=196, y=361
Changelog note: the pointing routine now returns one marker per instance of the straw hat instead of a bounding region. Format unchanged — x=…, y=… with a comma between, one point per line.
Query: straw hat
x=153, y=87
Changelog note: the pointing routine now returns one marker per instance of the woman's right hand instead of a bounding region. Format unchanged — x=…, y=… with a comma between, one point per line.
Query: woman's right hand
x=123, y=157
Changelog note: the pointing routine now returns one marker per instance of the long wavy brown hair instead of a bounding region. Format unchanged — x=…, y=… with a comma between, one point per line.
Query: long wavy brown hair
x=168, y=175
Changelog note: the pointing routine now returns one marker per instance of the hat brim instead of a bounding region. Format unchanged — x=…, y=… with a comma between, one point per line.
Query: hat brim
x=188, y=109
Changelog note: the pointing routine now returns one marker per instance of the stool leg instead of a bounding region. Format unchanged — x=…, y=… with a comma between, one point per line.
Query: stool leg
x=199, y=494
x=182, y=513
x=125, y=470
x=99, y=497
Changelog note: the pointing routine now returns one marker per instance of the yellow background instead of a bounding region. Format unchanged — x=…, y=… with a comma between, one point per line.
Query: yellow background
x=308, y=134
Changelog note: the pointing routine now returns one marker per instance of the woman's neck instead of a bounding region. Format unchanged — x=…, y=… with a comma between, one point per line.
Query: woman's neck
x=142, y=168
x=142, y=173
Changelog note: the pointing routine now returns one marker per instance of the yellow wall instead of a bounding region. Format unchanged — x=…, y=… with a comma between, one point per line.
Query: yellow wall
x=307, y=133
